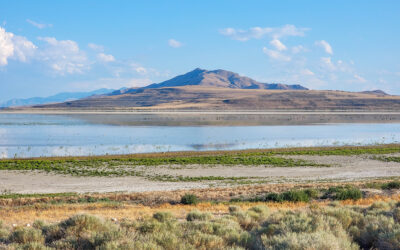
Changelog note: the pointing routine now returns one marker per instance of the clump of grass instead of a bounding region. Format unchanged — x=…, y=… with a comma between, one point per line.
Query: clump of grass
x=27, y=235
x=292, y=195
x=189, y=199
x=163, y=216
x=391, y=185
x=197, y=215
x=387, y=158
x=344, y=193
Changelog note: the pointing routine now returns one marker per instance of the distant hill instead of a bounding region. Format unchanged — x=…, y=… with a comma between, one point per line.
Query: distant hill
x=61, y=97
x=376, y=92
x=224, y=90
x=215, y=78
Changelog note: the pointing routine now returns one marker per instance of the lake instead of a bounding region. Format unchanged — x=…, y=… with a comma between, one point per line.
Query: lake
x=33, y=135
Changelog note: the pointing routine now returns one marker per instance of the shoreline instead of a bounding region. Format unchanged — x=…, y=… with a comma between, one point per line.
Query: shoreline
x=210, y=152
x=205, y=112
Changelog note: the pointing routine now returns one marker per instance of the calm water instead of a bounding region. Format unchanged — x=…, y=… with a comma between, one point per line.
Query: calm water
x=24, y=135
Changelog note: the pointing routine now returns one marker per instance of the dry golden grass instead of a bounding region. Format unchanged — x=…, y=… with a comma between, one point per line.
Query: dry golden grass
x=156, y=198
x=56, y=213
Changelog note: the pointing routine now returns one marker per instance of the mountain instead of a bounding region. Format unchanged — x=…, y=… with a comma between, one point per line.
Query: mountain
x=376, y=92
x=214, y=78
x=61, y=97
x=224, y=90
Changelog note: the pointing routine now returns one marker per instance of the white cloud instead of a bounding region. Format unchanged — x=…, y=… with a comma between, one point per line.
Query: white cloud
x=109, y=83
x=298, y=49
x=141, y=70
x=14, y=47
x=325, y=45
x=307, y=72
x=259, y=32
x=138, y=82
x=327, y=63
x=276, y=55
x=39, y=25
x=95, y=47
x=105, y=58
x=63, y=56
x=359, y=78
x=174, y=43
x=278, y=45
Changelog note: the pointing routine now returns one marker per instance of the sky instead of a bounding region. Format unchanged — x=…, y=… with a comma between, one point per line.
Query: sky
x=47, y=47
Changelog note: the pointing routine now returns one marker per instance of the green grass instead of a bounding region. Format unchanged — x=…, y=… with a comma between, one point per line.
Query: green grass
x=306, y=195
x=292, y=195
x=343, y=151
x=387, y=158
x=189, y=199
x=344, y=193
x=6, y=195
x=128, y=166
x=388, y=185
x=180, y=178
x=133, y=165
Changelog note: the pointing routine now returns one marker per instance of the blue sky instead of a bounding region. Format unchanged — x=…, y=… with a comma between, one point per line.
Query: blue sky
x=48, y=47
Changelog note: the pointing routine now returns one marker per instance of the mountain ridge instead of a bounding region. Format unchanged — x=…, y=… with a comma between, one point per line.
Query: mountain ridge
x=214, y=78
x=202, y=89
x=60, y=97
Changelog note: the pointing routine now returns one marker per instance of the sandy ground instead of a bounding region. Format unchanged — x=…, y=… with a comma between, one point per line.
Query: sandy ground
x=36, y=182
x=342, y=168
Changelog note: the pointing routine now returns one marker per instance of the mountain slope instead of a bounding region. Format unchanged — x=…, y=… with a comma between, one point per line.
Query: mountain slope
x=223, y=90
x=61, y=97
x=214, y=78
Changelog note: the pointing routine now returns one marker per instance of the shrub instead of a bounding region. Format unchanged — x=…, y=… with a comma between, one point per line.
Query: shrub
x=315, y=240
x=345, y=193
x=197, y=215
x=391, y=185
x=296, y=196
x=273, y=197
x=163, y=216
x=26, y=235
x=189, y=199
x=312, y=193
x=234, y=209
x=33, y=246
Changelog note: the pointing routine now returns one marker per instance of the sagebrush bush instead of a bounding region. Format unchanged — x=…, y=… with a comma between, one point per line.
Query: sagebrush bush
x=197, y=215
x=340, y=227
x=189, y=199
x=391, y=185
x=163, y=216
x=26, y=235
x=345, y=193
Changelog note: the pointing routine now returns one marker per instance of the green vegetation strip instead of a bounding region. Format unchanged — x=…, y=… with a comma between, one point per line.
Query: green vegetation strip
x=342, y=151
x=305, y=195
x=387, y=158
x=127, y=166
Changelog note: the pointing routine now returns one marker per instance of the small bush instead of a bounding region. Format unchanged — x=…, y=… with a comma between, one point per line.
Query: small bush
x=234, y=209
x=163, y=216
x=273, y=197
x=26, y=235
x=345, y=193
x=296, y=196
x=312, y=193
x=189, y=199
x=197, y=215
x=391, y=185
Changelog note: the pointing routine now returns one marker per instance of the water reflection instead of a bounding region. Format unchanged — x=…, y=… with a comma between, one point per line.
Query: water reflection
x=53, y=135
